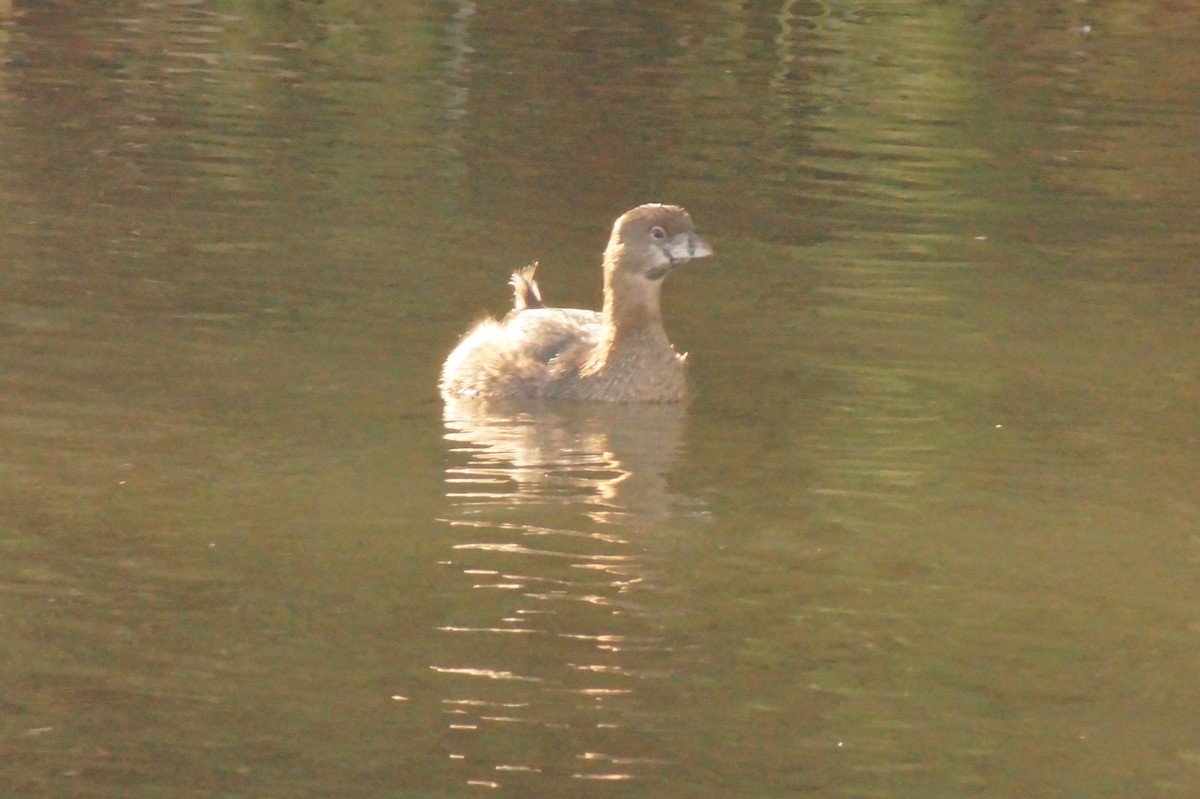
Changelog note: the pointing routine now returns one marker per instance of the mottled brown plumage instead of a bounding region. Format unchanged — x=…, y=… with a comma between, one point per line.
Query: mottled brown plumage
x=620, y=354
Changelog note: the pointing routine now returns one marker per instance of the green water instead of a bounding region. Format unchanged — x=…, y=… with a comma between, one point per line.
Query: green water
x=928, y=526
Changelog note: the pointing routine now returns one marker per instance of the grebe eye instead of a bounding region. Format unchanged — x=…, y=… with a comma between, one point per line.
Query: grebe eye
x=658, y=232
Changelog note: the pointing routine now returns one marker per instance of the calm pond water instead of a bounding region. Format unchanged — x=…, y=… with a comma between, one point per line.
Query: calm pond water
x=929, y=526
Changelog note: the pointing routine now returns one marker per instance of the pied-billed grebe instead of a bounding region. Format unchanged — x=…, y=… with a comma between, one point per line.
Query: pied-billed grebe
x=620, y=354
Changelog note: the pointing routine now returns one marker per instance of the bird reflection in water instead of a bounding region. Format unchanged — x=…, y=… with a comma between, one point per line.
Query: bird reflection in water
x=610, y=461
x=557, y=609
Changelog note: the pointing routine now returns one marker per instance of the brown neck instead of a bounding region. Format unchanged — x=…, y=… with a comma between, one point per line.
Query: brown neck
x=632, y=315
x=633, y=323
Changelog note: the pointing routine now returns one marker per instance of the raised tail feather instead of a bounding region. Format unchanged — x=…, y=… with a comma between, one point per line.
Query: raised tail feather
x=525, y=288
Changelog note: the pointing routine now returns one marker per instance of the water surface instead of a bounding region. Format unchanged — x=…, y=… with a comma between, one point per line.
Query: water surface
x=927, y=527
